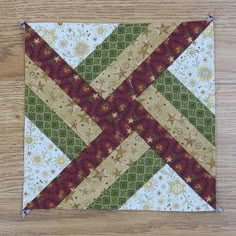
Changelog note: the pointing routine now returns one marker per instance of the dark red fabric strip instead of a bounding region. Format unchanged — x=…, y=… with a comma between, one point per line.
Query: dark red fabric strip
x=66, y=77
x=77, y=170
x=174, y=155
x=158, y=61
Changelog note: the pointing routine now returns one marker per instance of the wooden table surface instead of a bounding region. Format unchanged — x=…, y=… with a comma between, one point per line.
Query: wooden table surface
x=69, y=222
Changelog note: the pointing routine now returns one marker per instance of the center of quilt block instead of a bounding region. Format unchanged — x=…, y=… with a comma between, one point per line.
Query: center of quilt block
x=119, y=116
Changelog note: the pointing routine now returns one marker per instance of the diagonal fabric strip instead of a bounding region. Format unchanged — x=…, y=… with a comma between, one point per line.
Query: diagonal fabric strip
x=131, y=181
x=65, y=76
x=106, y=173
x=174, y=155
x=51, y=125
x=179, y=128
x=77, y=170
x=196, y=30
x=109, y=50
x=186, y=103
x=58, y=101
x=146, y=73
x=107, y=81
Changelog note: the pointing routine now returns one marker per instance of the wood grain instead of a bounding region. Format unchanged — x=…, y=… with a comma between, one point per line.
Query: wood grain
x=62, y=222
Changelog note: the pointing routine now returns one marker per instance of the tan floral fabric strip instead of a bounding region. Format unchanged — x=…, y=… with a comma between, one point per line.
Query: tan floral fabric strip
x=131, y=57
x=106, y=173
x=47, y=90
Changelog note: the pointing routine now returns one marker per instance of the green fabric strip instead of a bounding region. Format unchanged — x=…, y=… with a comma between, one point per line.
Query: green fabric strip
x=108, y=50
x=186, y=103
x=129, y=183
x=51, y=125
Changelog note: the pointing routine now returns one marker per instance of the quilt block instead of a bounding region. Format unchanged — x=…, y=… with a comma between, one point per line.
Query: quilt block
x=119, y=116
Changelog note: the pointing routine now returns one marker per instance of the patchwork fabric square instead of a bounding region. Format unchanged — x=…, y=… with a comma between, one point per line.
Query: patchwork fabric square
x=119, y=116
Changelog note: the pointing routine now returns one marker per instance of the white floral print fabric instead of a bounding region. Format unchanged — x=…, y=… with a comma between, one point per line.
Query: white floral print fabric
x=43, y=161
x=166, y=191
x=73, y=41
x=195, y=68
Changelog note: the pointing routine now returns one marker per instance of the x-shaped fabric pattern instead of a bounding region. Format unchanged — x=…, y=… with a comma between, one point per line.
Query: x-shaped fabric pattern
x=119, y=115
